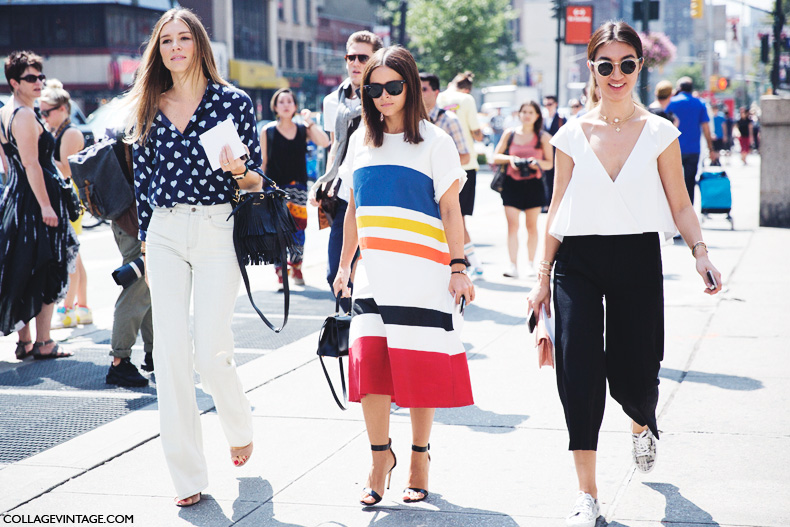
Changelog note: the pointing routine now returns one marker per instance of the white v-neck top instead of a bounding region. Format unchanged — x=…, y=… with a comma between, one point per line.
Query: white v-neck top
x=633, y=203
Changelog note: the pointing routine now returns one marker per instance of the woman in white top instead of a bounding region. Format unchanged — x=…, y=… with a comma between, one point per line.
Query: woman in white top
x=619, y=185
x=405, y=217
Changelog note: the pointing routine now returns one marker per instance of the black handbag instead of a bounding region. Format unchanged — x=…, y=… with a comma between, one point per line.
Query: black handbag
x=498, y=182
x=70, y=199
x=333, y=342
x=263, y=233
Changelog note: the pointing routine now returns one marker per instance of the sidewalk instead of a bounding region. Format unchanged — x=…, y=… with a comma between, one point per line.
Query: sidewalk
x=722, y=459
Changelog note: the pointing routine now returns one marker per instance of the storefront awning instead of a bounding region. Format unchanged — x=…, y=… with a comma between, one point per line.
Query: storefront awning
x=255, y=74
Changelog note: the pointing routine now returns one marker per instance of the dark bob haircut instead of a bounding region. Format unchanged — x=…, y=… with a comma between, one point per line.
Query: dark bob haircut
x=18, y=61
x=402, y=62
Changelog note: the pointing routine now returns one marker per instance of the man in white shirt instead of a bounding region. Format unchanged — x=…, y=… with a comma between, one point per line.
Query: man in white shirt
x=343, y=107
x=457, y=98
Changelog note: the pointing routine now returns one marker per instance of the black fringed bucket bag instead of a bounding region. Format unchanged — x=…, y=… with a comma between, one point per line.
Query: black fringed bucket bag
x=264, y=233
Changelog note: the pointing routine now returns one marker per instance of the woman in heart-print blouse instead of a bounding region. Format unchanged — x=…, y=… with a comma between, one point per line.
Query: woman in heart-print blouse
x=183, y=207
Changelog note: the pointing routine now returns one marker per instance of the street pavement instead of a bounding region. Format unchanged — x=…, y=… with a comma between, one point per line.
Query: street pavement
x=723, y=456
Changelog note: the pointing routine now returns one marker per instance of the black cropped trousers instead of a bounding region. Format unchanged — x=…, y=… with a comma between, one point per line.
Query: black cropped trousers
x=609, y=317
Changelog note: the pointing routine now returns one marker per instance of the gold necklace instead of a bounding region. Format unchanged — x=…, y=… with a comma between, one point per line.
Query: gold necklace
x=617, y=122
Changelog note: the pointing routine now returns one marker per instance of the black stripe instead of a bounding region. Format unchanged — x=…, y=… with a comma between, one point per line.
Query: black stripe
x=364, y=306
x=416, y=316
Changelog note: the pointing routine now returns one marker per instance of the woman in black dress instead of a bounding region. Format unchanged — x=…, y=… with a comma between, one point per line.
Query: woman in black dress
x=38, y=246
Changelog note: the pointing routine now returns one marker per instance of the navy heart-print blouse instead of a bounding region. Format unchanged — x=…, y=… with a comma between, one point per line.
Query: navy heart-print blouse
x=171, y=166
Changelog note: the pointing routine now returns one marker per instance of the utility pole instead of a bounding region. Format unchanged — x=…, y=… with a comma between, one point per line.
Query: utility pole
x=404, y=6
x=645, y=29
x=559, y=5
x=779, y=22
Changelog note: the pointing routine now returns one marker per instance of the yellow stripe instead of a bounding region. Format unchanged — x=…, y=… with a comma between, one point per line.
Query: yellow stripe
x=403, y=224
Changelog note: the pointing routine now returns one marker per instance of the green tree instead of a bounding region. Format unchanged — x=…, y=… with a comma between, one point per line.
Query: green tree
x=695, y=72
x=452, y=36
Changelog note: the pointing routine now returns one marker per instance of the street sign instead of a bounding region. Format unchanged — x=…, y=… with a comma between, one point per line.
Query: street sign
x=578, y=24
x=653, y=10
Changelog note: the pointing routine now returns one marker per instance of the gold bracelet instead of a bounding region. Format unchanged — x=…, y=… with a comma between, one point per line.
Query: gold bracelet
x=550, y=264
x=697, y=245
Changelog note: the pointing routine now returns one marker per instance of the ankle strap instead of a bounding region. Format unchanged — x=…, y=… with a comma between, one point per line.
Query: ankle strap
x=421, y=448
x=380, y=448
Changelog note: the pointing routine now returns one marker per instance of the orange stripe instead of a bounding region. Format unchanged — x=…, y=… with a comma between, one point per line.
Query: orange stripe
x=412, y=249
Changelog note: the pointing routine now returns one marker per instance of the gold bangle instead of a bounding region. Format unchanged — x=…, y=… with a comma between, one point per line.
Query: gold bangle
x=696, y=246
x=241, y=176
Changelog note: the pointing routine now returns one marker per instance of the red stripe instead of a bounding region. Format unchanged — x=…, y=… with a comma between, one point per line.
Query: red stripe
x=413, y=378
x=412, y=249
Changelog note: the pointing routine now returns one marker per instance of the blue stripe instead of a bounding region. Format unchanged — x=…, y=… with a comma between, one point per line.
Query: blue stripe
x=395, y=186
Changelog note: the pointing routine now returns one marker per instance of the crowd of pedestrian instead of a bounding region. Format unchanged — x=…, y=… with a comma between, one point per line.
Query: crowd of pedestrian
x=397, y=194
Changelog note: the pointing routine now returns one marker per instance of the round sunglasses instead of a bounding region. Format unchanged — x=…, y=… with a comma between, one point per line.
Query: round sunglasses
x=375, y=90
x=606, y=67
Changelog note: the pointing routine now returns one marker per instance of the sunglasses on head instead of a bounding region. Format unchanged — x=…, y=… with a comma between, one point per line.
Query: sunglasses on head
x=33, y=78
x=45, y=113
x=375, y=90
x=361, y=58
x=606, y=67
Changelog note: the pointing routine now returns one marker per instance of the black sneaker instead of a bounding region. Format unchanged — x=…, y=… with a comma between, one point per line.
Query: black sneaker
x=125, y=374
x=148, y=362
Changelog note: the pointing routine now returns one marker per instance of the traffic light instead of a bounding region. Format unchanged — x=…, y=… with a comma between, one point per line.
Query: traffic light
x=722, y=83
x=696, y=8
x=764, y=49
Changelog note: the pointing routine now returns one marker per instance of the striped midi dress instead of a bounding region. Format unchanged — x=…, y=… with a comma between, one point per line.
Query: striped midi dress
x=405, y=331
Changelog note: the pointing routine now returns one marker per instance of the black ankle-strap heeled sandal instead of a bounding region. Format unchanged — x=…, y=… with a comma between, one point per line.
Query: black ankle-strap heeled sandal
x=370, y=492
x=424, y=492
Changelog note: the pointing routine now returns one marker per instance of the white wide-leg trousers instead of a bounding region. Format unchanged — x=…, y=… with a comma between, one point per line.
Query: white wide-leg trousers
x=190, y=254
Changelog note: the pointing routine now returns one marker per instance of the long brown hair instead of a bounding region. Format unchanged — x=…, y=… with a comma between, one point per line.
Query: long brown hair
x=538, y=126
x=401, y=61
x=610, y=32
x=153, y=78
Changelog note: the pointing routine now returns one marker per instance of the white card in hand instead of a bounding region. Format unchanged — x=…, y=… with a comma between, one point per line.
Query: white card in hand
x=223, y=134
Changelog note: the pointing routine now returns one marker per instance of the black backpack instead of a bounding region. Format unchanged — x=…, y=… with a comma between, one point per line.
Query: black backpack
x=100, y=181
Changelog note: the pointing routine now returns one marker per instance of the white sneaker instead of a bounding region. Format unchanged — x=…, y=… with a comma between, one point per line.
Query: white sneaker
x=64, y=318
x=644, y=450
x=585, y=511
x=512, y=272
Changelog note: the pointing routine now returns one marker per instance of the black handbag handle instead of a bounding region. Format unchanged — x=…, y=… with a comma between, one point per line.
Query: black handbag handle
x=342, y=381
x=286, y=290
x=340, y=363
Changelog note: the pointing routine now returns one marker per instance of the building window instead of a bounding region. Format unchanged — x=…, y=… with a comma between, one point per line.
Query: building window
x=300, y=56
x=308, y=12
x=249, y=41
x=280, y=60
x=281, y=10
x=295, y=6
x=289, y=54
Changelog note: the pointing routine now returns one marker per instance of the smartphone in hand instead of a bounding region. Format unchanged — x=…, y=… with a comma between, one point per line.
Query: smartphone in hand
x=712, y=285
x=532, y=322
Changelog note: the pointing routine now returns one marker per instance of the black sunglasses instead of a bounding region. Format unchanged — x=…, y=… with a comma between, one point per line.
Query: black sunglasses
x=361, y=58
x=606, y=67
x=376, y=90
x=45, y=113
x=33, y=78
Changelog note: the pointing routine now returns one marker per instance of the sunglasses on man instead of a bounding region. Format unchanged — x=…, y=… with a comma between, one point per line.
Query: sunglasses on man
x=606, y=67
x=375, y=90
x=33, y=78
x=361, y=58
x=45, y=113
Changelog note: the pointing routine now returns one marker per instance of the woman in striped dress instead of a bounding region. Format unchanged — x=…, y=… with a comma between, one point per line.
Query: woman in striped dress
x=405, y=217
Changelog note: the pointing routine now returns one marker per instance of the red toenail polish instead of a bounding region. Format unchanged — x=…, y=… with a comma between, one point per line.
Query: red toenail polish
x=235, y=462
